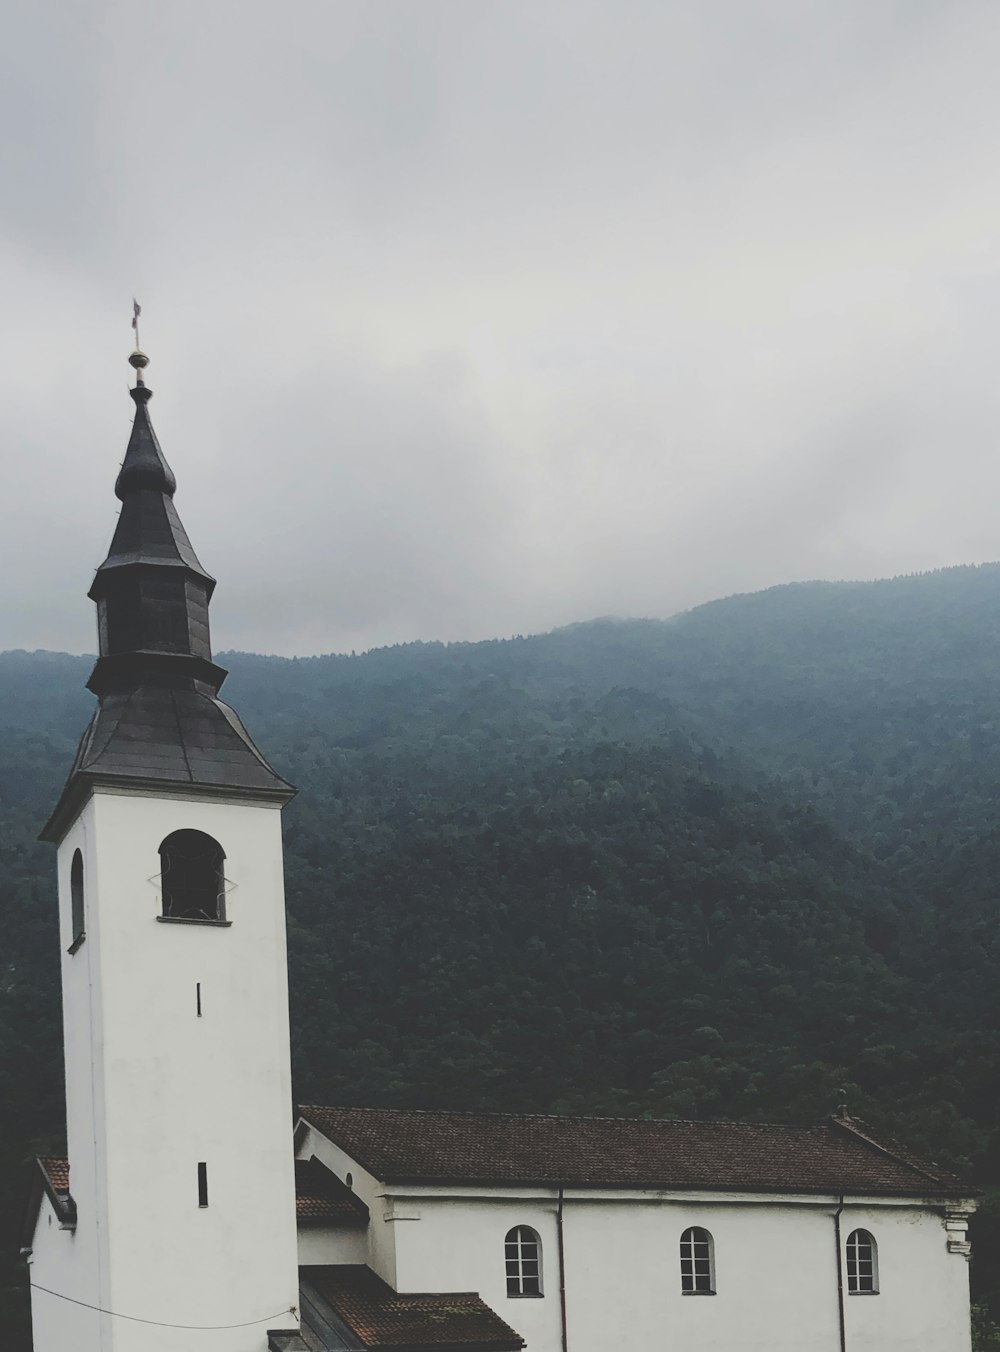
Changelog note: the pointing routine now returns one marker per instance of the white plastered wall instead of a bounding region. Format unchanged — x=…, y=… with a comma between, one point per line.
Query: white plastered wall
x=321, y=1245
x=60, y=1262
x=378, y=1241
x=153, y=1089
x=776, y=1270
x=923, y=1299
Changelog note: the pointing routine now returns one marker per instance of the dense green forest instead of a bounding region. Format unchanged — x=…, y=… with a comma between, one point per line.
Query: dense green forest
x=725, y=865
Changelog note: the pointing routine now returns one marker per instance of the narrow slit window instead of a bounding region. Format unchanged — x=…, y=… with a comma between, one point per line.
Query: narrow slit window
x=523, y=1258
x=192, y=878
x=197, y=998
x=203, y=1184
x=697, y=1262
x=76, y=902
x=862, y=1264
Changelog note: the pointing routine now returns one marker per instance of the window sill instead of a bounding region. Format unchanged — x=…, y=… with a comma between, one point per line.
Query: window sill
x=863, y=1293
x=190, y=920
x=525, y=1295
x=76, y=943
x=698, y=1293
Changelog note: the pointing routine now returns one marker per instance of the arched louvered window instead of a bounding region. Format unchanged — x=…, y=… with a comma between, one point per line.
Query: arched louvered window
x=862, y=1264
x=523, y=1255
x=76, y=907
x=697, y=1262
x=191, y=877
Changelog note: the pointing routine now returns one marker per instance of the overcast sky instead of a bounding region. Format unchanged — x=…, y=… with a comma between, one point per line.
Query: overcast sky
x=477, y=317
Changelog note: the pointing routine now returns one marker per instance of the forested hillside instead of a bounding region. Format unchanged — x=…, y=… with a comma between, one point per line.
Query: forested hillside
x=723, y=865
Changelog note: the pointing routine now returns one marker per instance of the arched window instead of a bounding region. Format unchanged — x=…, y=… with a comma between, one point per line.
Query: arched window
x=697, y=1262
x=77, y=916
x=523, y=1254
x=862, y=1263
x=192, y=878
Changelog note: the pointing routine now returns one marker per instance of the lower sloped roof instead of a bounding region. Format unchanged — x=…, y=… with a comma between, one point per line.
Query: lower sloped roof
x=47, y=1175
x=373, y=1315
x=322, y=1199
x=500, y=1149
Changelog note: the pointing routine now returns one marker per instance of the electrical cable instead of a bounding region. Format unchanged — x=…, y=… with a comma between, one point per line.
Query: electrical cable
x=158, y=1323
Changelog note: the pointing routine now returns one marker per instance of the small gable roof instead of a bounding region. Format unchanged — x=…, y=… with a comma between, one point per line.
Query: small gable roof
x=500, y=1149
x=379, y=1317
x=322, y=1199
x=48, y=1176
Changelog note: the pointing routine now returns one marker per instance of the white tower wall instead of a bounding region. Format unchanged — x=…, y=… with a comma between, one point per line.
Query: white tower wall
x=154, y=1088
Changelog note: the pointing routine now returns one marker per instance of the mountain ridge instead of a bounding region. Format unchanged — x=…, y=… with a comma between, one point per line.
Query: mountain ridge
x=726, y=864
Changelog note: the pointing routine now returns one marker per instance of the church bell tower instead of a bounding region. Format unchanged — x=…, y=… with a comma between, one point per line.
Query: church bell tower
x=175, y=997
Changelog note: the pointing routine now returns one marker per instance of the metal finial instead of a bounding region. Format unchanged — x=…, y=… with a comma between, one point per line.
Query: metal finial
x=138, y=360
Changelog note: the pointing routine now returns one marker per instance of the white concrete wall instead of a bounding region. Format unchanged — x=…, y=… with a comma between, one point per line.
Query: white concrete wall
x=79, y=1264
x=64, y=1262
x=320, y=1245
x=153, y=1089
x=459, y=1246
x=923, y=1299
x=776, y=1272
x=380, y=1240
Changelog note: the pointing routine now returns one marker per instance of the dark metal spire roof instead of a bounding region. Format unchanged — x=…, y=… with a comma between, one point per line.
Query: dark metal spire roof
x=149, y=529
x=159, y=721
x=145, y=465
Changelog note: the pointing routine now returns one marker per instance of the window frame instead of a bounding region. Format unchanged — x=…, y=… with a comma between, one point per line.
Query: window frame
x=527, y=1246
x=859, y=1242
x=214, y=864
x=697, y=1235
x=77, y=902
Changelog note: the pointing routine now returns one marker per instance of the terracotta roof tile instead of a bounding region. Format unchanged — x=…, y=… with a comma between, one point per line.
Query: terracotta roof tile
x=509, y=1148
x=379, y=1317
x=57, y=1170
x=321, y=1198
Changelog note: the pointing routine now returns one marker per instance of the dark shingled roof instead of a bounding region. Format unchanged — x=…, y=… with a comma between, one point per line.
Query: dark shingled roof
x=601, y=1152
x=380, y=1317
x=322, y=1199
x=182, y=736
x=156, y=735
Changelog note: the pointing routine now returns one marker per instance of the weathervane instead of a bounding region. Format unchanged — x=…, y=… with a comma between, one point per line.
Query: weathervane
x=138, y=360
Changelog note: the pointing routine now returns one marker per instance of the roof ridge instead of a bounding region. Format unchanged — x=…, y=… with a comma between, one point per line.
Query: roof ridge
x=894, y=1150
x=303, y=1108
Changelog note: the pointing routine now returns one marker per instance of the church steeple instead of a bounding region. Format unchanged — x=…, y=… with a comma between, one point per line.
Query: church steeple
x=159, y=720
x=175, y=992
x=151, y=591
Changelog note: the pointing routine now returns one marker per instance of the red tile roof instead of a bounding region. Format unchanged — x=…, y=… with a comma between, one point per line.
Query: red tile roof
x=602, y=1152
x=56, y=1170
x=380, y=1317
x=322, y=1199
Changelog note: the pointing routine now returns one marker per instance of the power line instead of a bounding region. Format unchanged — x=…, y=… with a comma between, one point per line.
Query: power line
x=201, y=1328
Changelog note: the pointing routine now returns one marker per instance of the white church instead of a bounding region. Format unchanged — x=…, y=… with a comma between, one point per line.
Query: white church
x=194, y=1214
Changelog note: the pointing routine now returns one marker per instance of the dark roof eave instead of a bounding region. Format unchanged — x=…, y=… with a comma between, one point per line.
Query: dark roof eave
x=774, y=1189
x=80, y=785
x=137, y=559
x=357, y=1222
x=508, y=1345
x=41, y=1185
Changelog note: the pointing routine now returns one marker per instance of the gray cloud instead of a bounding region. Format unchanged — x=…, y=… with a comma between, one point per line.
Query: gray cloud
x=471, y=319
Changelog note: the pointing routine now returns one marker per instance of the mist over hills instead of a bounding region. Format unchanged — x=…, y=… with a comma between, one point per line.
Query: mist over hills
x=722, y=865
